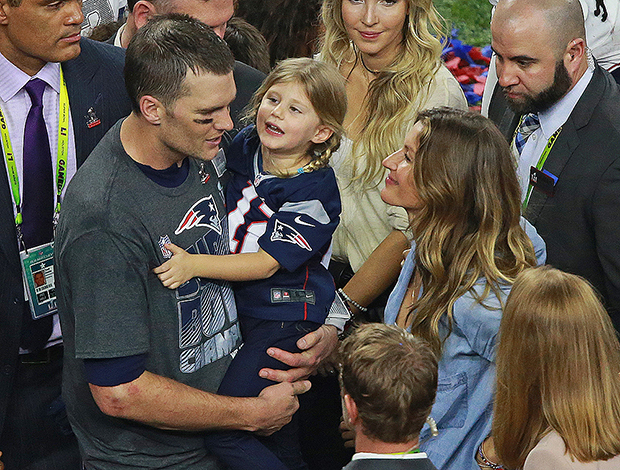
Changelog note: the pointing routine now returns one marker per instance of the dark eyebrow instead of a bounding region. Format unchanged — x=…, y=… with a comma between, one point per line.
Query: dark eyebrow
x=517, y=58
x=523, y=58
x=209, y=110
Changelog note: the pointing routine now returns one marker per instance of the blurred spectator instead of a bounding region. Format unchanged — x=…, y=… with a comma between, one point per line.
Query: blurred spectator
x=101, y=12
x=291, y=27
x=104, y=32
x=247, y=44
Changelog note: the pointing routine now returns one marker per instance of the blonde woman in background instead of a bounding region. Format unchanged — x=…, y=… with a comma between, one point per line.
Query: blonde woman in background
x=389, y=51
x=558, y=384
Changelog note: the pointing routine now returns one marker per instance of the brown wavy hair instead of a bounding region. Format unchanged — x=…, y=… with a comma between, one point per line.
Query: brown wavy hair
x=468, y=224
x=558, y=366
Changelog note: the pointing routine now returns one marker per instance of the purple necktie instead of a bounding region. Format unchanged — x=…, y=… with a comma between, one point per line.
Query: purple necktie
x=38, y=203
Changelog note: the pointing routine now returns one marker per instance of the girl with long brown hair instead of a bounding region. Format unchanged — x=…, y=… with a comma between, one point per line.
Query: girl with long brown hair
x=558, y=377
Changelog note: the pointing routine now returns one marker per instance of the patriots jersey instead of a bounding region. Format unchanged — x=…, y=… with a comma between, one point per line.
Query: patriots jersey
x=293, y=219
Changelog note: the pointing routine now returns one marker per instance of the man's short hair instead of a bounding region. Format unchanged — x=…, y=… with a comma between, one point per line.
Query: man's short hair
x=161, y=53
x=391, y=376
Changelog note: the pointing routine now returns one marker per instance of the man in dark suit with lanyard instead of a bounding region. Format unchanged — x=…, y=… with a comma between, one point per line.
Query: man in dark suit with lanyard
x=59, y=94
x=563, y=116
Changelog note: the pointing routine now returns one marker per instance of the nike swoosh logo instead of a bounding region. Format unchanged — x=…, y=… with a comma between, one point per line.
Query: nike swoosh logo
x=301, y=222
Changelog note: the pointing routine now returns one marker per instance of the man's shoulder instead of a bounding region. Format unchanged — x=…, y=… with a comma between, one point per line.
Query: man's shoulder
x=247, y=75
x=94, y=52
x=606, y=96
x=390, y=464
x=94, y=175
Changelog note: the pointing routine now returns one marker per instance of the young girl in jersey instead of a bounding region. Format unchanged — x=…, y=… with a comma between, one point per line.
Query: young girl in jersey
x=283, y=207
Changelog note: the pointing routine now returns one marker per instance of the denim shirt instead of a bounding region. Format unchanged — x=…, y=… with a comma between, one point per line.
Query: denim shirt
x=464, y=404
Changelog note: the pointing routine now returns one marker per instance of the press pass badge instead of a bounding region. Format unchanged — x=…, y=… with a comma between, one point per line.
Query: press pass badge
x=38, y=269
x=219, y=162
x=543, y=181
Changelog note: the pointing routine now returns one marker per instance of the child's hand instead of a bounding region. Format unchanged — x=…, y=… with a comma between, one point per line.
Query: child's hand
x=177, y=270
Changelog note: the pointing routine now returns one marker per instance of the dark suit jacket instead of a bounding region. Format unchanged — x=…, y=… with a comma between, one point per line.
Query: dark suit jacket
x=94, y=79
x=581, y=222
x=390, y=464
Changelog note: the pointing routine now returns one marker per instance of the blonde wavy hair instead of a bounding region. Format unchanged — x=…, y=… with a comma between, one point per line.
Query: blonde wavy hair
x=325, y=88
x=395, y=96
x=558, y=366
x=467, y=226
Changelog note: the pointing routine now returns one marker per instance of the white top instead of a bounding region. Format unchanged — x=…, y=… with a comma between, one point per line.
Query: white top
x=550, y=121
x=366, y=220
x=550, y=454
x=371, y=455
x=119, y=35
x=98, y=12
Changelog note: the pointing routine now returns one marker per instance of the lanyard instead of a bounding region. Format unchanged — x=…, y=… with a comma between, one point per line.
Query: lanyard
x=541, y=161
x=61, y=158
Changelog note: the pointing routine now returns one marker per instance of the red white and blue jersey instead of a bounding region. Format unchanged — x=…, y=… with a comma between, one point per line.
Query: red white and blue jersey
x=293, y=219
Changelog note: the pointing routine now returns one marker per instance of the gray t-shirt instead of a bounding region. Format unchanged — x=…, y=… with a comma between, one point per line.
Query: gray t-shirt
x=111, y=304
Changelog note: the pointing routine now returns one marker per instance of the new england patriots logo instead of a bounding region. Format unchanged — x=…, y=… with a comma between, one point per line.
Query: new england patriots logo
x=201, y=210
x=285, y=233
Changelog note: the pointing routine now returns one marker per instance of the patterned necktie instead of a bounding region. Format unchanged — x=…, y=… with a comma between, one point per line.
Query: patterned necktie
x=528, y=125
x=38, y=202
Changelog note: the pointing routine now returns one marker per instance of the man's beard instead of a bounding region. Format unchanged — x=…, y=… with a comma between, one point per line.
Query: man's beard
x=546, y=98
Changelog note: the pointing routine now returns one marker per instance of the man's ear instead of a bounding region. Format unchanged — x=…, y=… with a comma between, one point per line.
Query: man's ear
x=351, y=410
x=5, y=9
x=151, y=109
x=142, y=12
x=575, y=55
x=322, y=134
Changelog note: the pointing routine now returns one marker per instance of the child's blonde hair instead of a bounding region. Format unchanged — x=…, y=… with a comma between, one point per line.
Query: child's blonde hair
x=325, y=89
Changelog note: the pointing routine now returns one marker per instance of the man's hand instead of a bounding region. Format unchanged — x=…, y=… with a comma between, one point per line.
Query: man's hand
x=315, y=346
x=277, y=404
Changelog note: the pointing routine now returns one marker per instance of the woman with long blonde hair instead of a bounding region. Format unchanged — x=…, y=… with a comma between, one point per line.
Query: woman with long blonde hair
x=389, y=51
x=456, y=179
x=558, y=377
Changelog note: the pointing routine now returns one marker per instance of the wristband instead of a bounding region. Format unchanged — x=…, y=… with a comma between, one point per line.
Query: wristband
x=344, y=295
x=487, y=462
x=339, y=314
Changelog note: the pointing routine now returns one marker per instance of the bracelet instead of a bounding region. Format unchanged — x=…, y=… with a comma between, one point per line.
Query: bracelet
x=487, y=462
x=344, y=295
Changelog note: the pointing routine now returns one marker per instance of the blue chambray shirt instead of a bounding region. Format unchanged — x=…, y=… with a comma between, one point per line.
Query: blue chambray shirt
x=464, y=404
